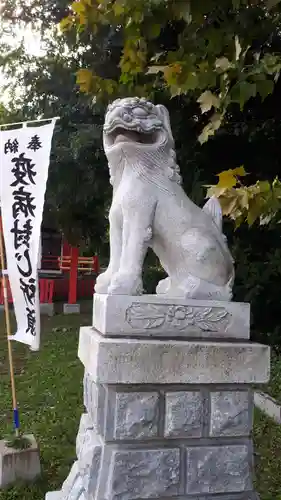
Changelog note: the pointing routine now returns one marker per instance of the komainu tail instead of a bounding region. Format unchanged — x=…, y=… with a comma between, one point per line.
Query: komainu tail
x=213, y=208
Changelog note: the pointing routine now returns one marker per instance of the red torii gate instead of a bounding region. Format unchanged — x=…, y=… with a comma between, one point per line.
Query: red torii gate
x=73, y=252
x=70, y=261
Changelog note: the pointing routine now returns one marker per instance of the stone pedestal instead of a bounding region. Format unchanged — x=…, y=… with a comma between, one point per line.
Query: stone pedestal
x=169, y=406
x=19, y=465
x=71, y=308
x=47, y=309
x=54, y=495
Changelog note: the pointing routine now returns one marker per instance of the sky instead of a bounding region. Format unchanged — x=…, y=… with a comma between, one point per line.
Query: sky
x=33, y=46
x=31, y=38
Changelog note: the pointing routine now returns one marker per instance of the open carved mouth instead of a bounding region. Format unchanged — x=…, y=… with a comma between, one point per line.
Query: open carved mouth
x=120, y=135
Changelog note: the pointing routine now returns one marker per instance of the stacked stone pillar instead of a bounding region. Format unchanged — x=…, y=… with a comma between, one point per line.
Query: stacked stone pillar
x=169, y=405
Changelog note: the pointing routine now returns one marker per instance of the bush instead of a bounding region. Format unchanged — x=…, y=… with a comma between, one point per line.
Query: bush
x=257, y=255
x=151, y=277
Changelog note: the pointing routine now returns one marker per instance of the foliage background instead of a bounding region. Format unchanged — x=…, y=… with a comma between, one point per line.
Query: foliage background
x=78, y=194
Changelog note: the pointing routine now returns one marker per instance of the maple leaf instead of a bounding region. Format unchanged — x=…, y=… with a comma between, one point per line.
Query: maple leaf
x=207, y=101
x=84, y=78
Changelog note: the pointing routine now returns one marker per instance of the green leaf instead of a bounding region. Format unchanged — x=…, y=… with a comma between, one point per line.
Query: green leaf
x=215, y=191
x=175, y=90
x=264, y=186
x=223, y=64
x=240, y=171
x=157, y=56
x=229, y=203
x=206, y=133
x=181, y=10
x=154, y=70
x=66, y=23
x=154, y=31
x=265, y=219
x=210, y=129
x=238, y=221
x=264, y=88
x=78, y=7
x=271, y=64
x=84, y=78
x=242, y=92
x=118, y=9
x=254, y=210
x=272, y=3
x=207, y=101
x=227, y=179
x=191, y=82
x=238, y=48
x=276, y=187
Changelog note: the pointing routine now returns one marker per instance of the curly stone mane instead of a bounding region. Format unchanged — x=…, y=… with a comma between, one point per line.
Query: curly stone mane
x=148, y=143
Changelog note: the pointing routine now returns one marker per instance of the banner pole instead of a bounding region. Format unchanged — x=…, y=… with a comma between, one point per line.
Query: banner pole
x=9, y=333
x=2, y=125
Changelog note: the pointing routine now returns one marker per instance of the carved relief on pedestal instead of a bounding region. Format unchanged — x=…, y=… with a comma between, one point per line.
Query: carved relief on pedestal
x=149, y=316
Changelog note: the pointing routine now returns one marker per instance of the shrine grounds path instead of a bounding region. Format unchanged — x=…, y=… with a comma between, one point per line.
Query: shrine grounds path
x=49, y=393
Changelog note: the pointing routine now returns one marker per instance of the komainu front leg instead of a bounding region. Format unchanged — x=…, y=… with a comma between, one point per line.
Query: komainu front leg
x=115, y=237
x=137, y=233
x=103, y=281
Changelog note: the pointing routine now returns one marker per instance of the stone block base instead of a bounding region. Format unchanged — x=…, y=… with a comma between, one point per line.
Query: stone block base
x=54, y=495
x=169, y=405
x=19, y=464
x=47, y=309
x=71, y=308
x=163, y=441
x=161, y=470
x=148, y=361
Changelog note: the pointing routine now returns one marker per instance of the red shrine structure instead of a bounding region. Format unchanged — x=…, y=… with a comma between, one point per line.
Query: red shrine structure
x=64, y=274
x=74, y=275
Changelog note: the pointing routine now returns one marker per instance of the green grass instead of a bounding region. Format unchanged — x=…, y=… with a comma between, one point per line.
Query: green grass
x=49, y=390
x=49, y=393
x=267, y=445
x=274, y=386
x=267, y=440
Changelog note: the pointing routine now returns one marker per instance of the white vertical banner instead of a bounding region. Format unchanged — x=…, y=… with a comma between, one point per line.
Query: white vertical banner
x=39, y=264
x=24, y=164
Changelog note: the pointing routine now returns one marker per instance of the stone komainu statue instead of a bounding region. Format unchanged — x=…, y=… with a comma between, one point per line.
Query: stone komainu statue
x=150, y=209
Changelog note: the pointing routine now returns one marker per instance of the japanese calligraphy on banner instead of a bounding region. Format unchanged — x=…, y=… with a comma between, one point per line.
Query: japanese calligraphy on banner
x=24, y=164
